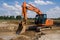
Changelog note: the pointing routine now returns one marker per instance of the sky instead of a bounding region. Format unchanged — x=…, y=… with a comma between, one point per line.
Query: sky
x=13, y=7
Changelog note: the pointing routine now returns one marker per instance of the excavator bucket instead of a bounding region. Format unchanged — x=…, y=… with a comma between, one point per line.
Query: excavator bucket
x=21, y=28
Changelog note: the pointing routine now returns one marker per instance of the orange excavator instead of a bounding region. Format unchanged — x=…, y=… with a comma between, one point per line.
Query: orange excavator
x=41, y=20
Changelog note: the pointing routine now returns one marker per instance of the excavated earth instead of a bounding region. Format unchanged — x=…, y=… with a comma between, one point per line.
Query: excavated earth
x=8, y=32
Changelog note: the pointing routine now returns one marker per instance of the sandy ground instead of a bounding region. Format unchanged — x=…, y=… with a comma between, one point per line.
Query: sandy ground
x=50, y=34
x=53, y=34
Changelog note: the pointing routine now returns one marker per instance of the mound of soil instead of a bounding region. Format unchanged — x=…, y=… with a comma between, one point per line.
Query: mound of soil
x=1, y=39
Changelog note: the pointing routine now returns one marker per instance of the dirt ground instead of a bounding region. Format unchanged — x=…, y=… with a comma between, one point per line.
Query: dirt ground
x=49, y=34
x=8, y=32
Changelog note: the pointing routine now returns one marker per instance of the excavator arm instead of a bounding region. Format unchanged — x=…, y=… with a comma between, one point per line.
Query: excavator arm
x=26, y=7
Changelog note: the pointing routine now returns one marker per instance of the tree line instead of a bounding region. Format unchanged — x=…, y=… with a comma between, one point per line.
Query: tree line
x=11, y=17
x=18, y=17
x=56, y=18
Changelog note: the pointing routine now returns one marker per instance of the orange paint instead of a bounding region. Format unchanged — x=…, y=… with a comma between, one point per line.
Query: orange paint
x=49, y=22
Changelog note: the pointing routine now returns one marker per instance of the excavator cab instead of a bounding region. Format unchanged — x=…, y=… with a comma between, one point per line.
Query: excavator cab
x=40, y=19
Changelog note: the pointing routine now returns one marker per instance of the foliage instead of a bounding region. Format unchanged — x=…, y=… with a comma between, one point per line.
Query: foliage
x=10, y=18
x=18, y=17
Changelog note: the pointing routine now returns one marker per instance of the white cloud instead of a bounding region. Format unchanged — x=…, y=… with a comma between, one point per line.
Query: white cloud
x=41, y=2
x=31, y=14
x=18, y=7
x=5, y=5
x=53, y=12
x=12, y=9
x=32, y=3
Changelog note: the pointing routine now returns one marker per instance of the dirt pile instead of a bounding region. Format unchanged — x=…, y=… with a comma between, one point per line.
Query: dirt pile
x=1, y=39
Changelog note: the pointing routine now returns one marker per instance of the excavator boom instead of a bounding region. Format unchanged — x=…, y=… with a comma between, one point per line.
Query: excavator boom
x=24, y=11
x=26, y=7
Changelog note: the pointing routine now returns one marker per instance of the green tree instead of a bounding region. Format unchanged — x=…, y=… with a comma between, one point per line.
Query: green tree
x=5, y=17
x=18, y=17
x=12, y=17
x=1, y=17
